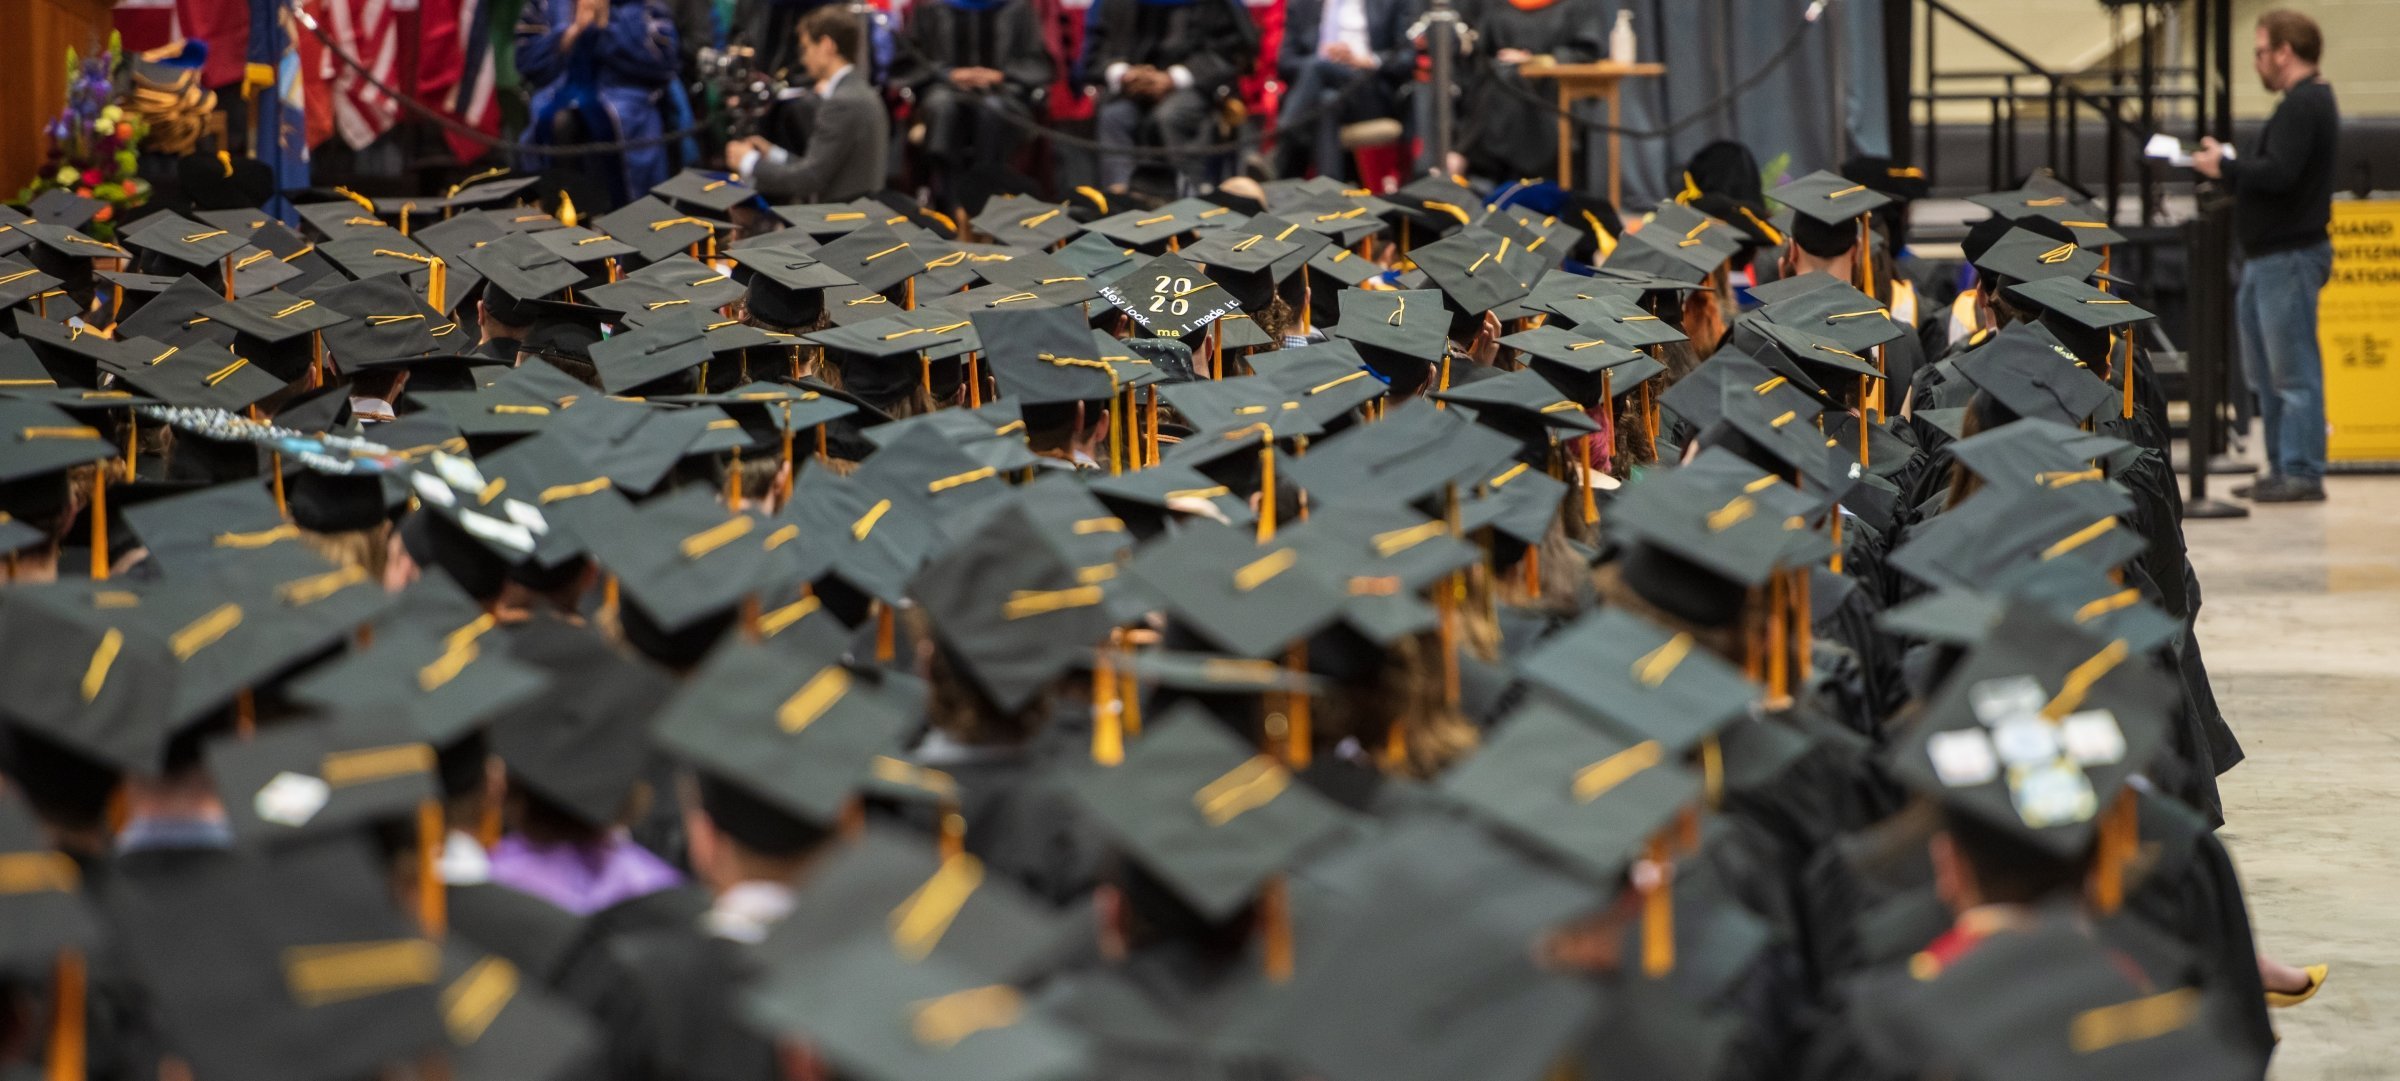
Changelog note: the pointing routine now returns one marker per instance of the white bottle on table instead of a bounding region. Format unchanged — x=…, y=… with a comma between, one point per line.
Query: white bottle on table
x=1622, y=46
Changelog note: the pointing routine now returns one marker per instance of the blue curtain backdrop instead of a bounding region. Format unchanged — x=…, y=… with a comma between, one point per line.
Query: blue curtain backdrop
x=1822, y=104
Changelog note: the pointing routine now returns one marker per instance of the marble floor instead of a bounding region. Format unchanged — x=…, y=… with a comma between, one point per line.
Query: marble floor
x=2301, y=630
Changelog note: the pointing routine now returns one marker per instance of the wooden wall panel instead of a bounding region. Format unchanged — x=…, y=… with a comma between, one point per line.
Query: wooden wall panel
x=33, y=52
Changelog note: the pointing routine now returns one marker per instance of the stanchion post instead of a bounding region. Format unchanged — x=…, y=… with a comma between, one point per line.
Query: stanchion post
x=2207, y=361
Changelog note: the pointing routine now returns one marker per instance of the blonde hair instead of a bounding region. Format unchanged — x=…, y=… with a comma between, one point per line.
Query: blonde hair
x=367, y=549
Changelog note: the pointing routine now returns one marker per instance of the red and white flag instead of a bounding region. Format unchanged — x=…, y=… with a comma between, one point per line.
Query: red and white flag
x=471, y=98
x=368, y=31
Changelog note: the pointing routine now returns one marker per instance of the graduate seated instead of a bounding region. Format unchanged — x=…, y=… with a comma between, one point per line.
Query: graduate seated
x=1165, y=68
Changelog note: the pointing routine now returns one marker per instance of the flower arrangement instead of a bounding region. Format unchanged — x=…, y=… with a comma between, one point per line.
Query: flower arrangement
x=93, y=141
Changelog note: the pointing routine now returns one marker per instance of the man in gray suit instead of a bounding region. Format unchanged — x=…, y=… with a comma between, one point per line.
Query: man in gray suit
x=847, y=133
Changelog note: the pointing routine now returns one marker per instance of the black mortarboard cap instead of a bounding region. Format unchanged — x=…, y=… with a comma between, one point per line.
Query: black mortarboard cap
x=785, y=721
x=1641, y=680
x=1210, y=817
x=703, y=192
x=2024, y=255
x=1830, y=198
x=1248, y=599
x=1587, y=798
x=657, y=230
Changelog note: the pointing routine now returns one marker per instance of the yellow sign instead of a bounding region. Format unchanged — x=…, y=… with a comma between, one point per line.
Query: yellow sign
x=2358, y=327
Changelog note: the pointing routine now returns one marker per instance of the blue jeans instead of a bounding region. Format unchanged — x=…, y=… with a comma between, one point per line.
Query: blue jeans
x=2277, y=311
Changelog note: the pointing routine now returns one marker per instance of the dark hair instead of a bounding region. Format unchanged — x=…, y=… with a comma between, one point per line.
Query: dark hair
x=1154, y=915
x=2287, y=27
x=1822, y=240
x=2009, y=869
x=755, y=824
x=66, y=787
x=832, y=21
x=1051, y=425
x=460, y=767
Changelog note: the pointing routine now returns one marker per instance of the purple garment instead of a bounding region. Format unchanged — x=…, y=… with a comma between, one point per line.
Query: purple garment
x=581, y=879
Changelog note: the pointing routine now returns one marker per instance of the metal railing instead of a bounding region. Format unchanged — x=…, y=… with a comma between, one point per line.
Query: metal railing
x=2060, y=103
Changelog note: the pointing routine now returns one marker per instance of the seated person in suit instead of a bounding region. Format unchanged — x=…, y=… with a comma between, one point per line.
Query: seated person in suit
x=848, y=130
x=1164, y=65
x=1348, y=60
x=966, y=60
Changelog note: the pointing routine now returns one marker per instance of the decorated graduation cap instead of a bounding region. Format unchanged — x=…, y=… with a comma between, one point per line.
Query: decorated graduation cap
x=1170, y=298
x=2036, y=732
x=657, y=230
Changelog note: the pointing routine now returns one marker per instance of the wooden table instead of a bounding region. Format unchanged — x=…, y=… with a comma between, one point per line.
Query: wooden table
x=1583, y=82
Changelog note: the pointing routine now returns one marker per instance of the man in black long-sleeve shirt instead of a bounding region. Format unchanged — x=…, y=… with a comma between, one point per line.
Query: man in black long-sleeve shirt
x=2283, y=191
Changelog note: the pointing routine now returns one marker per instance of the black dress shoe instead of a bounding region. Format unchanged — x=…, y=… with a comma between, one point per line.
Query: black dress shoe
x=2287, y=490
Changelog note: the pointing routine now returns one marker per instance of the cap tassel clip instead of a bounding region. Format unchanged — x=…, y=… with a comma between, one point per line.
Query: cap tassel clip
x=99, y=514
x=1108, y=733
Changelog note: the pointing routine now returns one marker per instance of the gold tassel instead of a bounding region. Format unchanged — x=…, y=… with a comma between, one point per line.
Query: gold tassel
x=1804, y=616
x=1275, y=926
x=2112, y=339
x=1150, y=423
x=99, y=513
x=1266, y=490
x=1297, y=737
x=1533, y=571
x=245, y=713
x=974, y=382
x=1712, y=770
x=884, y=631
x=1658, y=917
x=1116, y=438
x=733, y=484
x=1129, y=699
x=2120, y=838
x=280, y=507
x=66, y=1020
x=1863, y=382
x=790, y=470
x=433, y=902
x=1779, y=687
x=229, y=277
x=1836, y=564
x=1108, y=733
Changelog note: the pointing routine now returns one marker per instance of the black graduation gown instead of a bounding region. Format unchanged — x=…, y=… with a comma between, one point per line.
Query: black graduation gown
x=1501, y=132
x=538, y=937
x=686, y=1014
x=1020, y=819
x=1156, y=1016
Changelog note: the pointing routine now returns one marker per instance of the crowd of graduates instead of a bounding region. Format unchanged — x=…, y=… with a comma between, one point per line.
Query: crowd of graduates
x=1317, y=635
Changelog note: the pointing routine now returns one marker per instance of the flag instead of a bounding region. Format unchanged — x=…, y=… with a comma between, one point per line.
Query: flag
x=472, y=101
x=368, y=32
x=279, y=116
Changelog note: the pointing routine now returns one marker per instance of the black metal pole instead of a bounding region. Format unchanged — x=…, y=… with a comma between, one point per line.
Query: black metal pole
x=2210, y=234
x=1442, y=40
x=2148, y=86
x=1897, y=16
